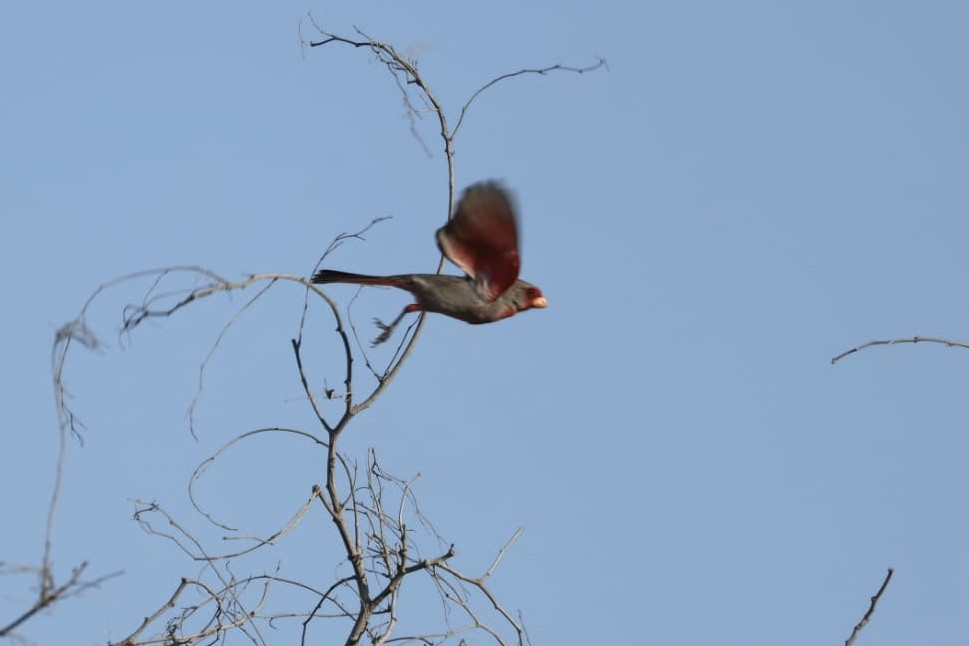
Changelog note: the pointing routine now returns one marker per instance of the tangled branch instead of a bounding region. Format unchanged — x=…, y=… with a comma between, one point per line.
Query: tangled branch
x=375, y=515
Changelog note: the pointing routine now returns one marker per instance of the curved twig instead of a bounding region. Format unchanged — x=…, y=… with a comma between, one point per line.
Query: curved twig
x=914, y=339
x=209, y=461
x=541, y=71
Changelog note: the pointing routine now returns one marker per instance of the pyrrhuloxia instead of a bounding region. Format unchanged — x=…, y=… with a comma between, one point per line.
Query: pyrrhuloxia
x=481, y=239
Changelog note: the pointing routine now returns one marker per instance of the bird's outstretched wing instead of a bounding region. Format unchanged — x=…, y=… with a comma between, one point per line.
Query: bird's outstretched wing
x=482, y=238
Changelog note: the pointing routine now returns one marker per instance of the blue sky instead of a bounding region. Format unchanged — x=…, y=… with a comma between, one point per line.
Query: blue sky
x=750, y=189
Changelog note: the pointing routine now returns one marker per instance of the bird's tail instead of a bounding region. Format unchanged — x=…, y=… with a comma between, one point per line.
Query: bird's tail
x=334, y=276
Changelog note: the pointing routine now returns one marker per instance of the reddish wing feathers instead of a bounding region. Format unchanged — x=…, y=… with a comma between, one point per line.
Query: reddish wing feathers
x=482, y=238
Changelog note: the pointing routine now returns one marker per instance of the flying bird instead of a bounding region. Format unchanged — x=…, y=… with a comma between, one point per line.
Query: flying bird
x=481, y=239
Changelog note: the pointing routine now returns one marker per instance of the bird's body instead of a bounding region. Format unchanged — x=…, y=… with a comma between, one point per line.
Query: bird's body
x=454, y=296
x=481, y=239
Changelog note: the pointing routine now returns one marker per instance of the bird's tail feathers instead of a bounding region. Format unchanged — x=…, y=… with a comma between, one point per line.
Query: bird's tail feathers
x=334, y=276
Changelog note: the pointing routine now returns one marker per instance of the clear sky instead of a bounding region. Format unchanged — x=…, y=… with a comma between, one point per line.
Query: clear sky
x=750, y=189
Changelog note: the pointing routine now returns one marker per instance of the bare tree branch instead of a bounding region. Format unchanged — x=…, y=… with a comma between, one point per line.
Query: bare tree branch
x=51, y=594
x=406, y=75
x=541, y=71
x=914, y=339
x=871, y=609
x=375, y=515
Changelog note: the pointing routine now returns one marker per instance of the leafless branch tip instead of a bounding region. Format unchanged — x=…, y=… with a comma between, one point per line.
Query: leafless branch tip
x=871, y=609
x=915, y=339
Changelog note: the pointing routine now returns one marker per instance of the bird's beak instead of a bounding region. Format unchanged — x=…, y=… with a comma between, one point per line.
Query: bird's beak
x=540, y=302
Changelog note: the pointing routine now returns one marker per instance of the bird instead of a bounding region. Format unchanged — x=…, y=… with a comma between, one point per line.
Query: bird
x=482, y=240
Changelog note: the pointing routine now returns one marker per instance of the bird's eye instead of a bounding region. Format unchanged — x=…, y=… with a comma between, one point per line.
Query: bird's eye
x=531, y=292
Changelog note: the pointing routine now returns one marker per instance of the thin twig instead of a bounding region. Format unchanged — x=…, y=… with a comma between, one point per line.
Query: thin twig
x=541, y=71
x=871, y=608
x=48, y=597
x=914, y=339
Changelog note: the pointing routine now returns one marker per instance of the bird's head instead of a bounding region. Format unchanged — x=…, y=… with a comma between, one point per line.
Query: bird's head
x=526, y=296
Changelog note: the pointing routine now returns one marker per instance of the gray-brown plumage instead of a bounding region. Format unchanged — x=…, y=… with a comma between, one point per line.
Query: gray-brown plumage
x=481, y=239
